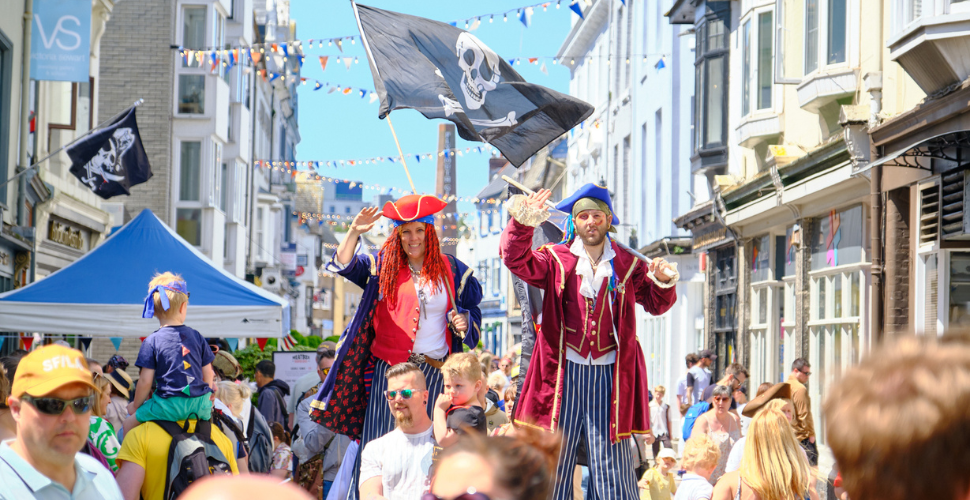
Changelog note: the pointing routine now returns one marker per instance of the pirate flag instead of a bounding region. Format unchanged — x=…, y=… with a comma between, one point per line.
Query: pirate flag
x=112, y=159
x=446, y=72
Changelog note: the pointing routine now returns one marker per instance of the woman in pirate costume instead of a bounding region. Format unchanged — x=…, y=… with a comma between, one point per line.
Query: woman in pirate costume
x=419, y=305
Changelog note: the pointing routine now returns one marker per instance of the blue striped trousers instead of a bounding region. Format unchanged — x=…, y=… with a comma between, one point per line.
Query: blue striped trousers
x=378, y=419
x=585, y=413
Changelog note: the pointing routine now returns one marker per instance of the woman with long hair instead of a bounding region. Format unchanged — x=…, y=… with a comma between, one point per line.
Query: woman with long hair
x=419, y=305
x=102, y=434
x=721, y=426
x=774, y=466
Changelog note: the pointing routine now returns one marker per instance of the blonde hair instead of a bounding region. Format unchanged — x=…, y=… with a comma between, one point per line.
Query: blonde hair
x=700, y=452
x=497, y=381
x=101, y=385
x=463, y=364
x=660, y=388
x=405, y=368
x=175, y=299
x=233, y=395
x=777, y=405
x=773, y=463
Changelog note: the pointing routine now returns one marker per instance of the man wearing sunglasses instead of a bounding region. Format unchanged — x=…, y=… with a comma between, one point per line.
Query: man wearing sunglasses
x=396, y=465
x=51, y=402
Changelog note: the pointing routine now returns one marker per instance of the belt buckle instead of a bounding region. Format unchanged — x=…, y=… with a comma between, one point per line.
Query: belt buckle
x=416, y=358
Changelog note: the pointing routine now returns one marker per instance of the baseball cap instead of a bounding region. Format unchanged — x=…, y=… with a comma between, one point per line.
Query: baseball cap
x=49, y=368
x=121, y=381
x=707, y=353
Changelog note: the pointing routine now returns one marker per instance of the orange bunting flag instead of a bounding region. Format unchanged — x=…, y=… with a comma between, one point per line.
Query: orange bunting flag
x=256, y=56
x=532, y=60
x=348, y=90
x=276, y=48
x=323, y=63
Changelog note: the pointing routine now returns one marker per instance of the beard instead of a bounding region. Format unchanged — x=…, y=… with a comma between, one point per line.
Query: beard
x=591, y=240
x=403, y=418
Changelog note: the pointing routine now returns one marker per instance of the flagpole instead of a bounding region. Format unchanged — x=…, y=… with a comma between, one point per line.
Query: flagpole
x=370, y=60
x=137, y=103
x=403, y=161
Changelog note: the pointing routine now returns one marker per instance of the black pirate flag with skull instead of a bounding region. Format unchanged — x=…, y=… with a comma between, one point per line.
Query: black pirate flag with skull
x=112, y=159
x=446, y=72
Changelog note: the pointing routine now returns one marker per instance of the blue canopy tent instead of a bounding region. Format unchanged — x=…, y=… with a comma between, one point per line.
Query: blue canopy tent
x=103, y=292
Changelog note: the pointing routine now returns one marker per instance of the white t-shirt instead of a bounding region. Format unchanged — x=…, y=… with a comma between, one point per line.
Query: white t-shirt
x=431, y=338
x=402, y=461
x=694, y=487
x=658, y=418
x=682, y=387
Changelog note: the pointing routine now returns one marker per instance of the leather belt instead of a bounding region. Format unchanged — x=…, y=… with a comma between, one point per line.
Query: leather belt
x=421, y=358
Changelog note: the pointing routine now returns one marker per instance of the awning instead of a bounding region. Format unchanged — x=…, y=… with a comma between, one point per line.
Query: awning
x=951, y=146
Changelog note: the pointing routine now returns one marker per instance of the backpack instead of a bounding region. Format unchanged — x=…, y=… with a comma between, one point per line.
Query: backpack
x=260, y=443
x=191, y=456
x=695, y=411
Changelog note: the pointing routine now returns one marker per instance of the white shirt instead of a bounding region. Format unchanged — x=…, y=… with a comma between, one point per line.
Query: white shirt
x=658, y=418
x=431, y=338
x=21, y=481
x=589, y=287
x=694, y=487
x=402, y=461
x=682, y=387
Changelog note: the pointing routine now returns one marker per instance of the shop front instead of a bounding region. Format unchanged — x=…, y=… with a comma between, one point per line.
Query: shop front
x=66, y=230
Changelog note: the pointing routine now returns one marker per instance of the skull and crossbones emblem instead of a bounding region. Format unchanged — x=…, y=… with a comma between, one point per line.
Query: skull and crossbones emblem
x=108, y=161
x=480, y=66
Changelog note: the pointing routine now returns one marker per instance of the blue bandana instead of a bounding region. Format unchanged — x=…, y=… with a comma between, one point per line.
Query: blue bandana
x=175, y=286
x=428, y=219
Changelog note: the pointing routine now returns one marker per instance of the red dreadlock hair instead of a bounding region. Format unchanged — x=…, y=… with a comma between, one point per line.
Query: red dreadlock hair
x=392, y=258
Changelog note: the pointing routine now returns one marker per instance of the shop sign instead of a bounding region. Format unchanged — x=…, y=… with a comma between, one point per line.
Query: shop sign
x=65, y=235
x=711, y=238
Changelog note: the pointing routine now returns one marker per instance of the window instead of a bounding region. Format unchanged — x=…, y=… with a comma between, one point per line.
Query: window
x=834, y=37
x=193, y=29
x=215, y=189
x=764, y=60
x=347, y=210
x=190, y=171
x=188, y=224
x=219, y=42
x=192, y=94
x=619, y=62
x=496, y=280
x=746, y=68
x=224, y=189
x=756, y=63
x=959, y=301
x=710, y=68
x=6, y=73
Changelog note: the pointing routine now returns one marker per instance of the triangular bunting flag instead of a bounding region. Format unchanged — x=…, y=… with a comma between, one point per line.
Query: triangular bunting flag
x=85, y=343
x=28, y=341
x=347, y=62
x=323, y=62
x=526, y=16
x=261, y=341
x=578, y=9
x=186, y=365
x=256, y=56
x=117, y=342
x=189, y=379
x=318, y=86
x=373, y=97
x=544, y=69
x=532, y=60
x=233, y=344
x=362, y=93
x=185, y=351
x=340, y=45
x=348, y=90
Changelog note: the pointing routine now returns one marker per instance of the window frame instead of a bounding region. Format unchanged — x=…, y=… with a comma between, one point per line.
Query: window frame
x=6, y=83
x=821, y=62
x=750, y=63
x=704, y=57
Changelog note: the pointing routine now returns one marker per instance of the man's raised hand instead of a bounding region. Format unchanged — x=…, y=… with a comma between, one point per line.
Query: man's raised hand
x=539, y=198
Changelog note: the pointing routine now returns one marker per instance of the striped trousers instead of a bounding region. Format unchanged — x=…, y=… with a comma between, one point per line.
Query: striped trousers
x=585, y=414
x=378, y=419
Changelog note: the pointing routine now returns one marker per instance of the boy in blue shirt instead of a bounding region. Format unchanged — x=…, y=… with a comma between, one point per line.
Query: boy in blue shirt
x=175, y=356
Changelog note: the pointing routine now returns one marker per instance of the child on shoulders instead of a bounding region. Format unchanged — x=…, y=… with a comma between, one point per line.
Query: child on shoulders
x=175, y=356
x=458, y=407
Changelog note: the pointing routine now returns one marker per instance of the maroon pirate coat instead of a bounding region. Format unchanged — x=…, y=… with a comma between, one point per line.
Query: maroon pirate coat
x=553, y=269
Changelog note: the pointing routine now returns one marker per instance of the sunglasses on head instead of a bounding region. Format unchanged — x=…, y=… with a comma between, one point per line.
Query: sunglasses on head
x=56, y=406
x=471, y=495
x=405, y=394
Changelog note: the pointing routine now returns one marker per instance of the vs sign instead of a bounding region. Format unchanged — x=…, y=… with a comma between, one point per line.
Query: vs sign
x=60, y=41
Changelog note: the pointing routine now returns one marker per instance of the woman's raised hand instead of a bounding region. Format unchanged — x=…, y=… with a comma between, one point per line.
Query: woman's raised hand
x=364, y=221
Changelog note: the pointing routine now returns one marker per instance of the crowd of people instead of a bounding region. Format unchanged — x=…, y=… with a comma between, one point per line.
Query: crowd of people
x=406, y=405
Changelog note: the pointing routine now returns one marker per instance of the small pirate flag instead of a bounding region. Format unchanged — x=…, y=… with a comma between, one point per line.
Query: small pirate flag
x=446, y=72
x=112, y=159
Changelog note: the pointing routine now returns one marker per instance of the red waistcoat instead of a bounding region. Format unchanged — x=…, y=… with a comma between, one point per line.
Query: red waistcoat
x=396, y=325
x=591, y=330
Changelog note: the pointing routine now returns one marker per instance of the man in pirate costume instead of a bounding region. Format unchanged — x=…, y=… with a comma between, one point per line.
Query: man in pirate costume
x=418, y=305
x=587, y=378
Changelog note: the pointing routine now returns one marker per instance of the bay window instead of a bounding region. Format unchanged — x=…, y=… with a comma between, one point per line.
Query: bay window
x=756, y=62
x=710, y=66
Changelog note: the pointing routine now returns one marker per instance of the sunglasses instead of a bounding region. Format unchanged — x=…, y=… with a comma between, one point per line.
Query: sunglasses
x=405, y=394
x=326, y=371
x=55, y=406
x=471, y=495
x=807, y=373
x=721, y=400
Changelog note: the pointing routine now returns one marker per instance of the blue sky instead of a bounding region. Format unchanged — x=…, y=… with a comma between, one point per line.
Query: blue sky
x=336, y=126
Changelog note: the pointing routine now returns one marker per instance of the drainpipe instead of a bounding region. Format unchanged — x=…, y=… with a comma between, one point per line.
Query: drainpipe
x=24, y=113
x=873, y=83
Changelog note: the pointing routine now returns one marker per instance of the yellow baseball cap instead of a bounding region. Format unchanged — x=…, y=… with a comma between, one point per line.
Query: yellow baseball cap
x=48, y=369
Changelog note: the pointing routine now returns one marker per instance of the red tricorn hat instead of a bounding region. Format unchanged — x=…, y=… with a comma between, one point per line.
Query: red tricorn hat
x=414, y=207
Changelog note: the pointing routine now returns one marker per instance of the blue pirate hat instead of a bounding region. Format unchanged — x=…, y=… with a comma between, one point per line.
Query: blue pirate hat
x=588, y=191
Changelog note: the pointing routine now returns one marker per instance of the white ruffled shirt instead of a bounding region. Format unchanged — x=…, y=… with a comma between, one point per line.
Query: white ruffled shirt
x=589, y=287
